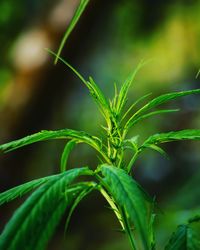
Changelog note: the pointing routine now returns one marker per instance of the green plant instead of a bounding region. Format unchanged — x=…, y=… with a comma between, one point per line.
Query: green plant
x=134, y=209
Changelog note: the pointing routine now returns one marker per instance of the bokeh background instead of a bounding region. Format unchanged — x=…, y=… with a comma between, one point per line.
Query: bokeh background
x=111, y=38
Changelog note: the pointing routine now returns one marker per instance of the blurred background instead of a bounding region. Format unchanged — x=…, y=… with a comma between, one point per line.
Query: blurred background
x=111, y=38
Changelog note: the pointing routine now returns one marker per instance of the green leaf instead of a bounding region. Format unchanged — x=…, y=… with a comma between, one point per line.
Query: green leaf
x=152, y=231
x=127, y=228
x=65, y=155
x=33, y=224
x=112, y=204
x=158, y=101
x=49, y=135
x=94, y=90
x=186, y=237
x=188, y=134
x=198, y=73
x=122, y=97
x=87, y=188
x=134, y=104
x=128, y=195
x=44, y=135
x=69, y=66
x=100, y=99
x=77, y=15
x=20, y=190
x=133, y=141
x=158, y=112
x=159, y=150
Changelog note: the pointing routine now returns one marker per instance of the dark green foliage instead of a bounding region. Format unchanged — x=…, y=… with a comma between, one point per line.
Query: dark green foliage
x=49, y=135
x=156, y=102
x=22, y=189
x=186, y=237
x=132, y=206
x=89, y=187
x=40, y=214
x=128, y=196
x=33, y=224
x=66, y=152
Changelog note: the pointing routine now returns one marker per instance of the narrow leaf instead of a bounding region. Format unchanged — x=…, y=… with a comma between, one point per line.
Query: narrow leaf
x=87, y=188
x=65, y=155
x=34, y=222
x=113, y=206
x=188, y=134
x=77, y=15
x=122, y=97
x=127, y=195
x=198, y=73
x=100, y=99
x=20, y=190
x=134, y=104
x=159, y=150
x=158, y=101
x=48, y=135
x=133, y=141
x=94, y=90
x=158, y=112
x=69, y=66
x=44, y=135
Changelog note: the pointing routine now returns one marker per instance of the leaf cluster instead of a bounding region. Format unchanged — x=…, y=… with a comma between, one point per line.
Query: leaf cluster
x=52, y=195
x=134, y=209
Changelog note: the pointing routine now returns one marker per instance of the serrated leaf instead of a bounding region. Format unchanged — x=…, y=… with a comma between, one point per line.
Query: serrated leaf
x=20, y=190
x=158, y=101
x=127, y=195
x=186, y=237
x=34, y=222
x=65, y=155
x=49, y=135
x=188, y=134
x=77, y=15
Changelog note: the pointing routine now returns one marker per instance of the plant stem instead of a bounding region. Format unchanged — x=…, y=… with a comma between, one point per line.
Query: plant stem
x=113, y=206
x=120, y=159
x=128, y=229
x=120, y=213
x=131, y=241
